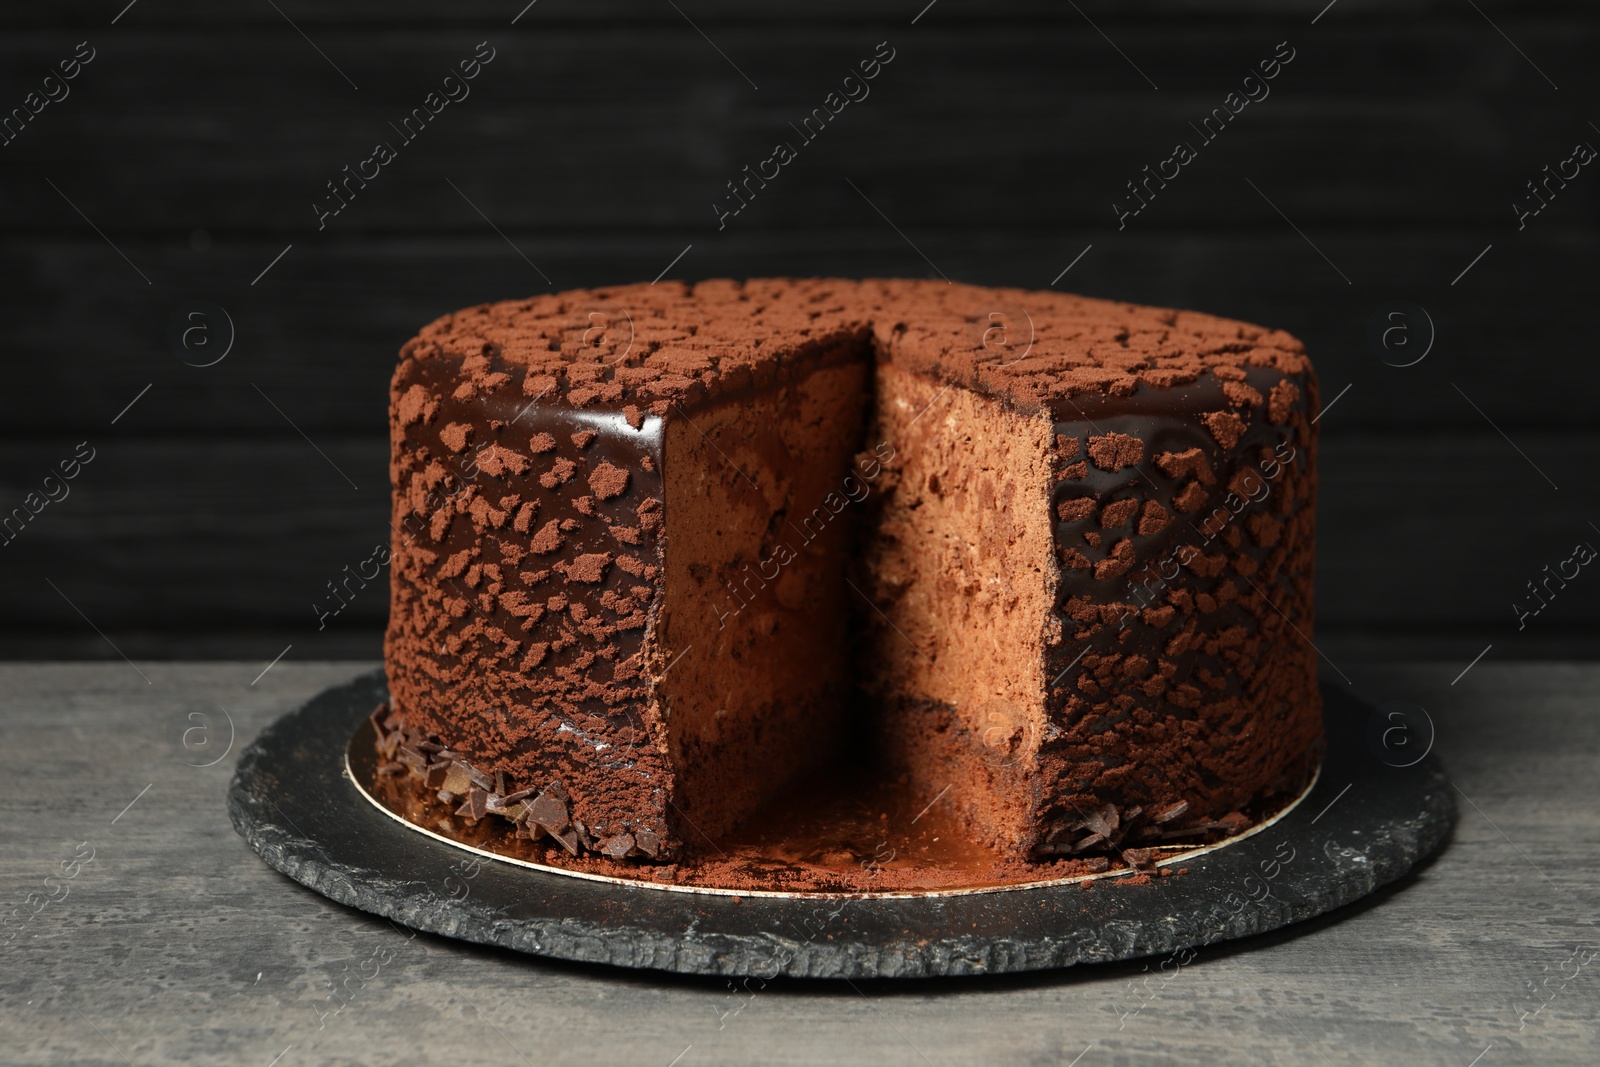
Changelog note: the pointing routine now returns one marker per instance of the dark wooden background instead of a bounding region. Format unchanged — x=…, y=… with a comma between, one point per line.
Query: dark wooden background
x=597, y=140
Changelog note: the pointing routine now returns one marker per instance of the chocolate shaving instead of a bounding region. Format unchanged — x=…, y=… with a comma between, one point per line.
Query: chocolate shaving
x=1173, y=812
x=1197, y=830
x=510, y=806
x=548, y=812
x=1140, y=859
x=476, y=806
x=477, y=777
x=1236, y=822
x=516, y=812
x=1102, y=825
x=474, y=794
x=456, y=781
x=618, y=846
x=1103, y=820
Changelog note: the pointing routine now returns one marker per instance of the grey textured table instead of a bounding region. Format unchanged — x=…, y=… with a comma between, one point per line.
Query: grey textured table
x=174, y=943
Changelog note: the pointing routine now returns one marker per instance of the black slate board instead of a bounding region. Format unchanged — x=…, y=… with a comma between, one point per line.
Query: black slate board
x=1364, y=824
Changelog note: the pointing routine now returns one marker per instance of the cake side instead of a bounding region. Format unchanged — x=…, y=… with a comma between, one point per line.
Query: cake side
x=525, y=575
x=1181, y=681
x=1184, y=690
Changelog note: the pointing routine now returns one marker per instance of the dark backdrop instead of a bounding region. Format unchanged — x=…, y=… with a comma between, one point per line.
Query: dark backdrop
x=185, y=157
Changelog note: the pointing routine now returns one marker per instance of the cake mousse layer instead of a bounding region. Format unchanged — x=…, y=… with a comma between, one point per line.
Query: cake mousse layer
x=665, y=551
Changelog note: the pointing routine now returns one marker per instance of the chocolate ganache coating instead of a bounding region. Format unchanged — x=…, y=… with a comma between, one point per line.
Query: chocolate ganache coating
x=529, y=627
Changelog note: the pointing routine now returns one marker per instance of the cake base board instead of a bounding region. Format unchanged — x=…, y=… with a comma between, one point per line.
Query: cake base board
x=1363, y=824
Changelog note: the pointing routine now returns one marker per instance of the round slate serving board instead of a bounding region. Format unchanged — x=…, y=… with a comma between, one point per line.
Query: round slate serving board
x=1364, y=823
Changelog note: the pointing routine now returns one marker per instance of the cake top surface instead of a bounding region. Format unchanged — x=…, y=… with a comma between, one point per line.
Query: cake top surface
x=649, y=346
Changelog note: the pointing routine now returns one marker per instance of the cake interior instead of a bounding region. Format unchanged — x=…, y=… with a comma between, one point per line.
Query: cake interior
x=755, y=677
x=835, y=539
x=960, y=563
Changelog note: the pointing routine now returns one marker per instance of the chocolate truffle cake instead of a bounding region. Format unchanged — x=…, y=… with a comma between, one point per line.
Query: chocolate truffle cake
x=662, y=551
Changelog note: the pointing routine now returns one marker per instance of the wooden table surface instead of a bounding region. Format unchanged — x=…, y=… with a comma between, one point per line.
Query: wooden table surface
x=175, y=944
